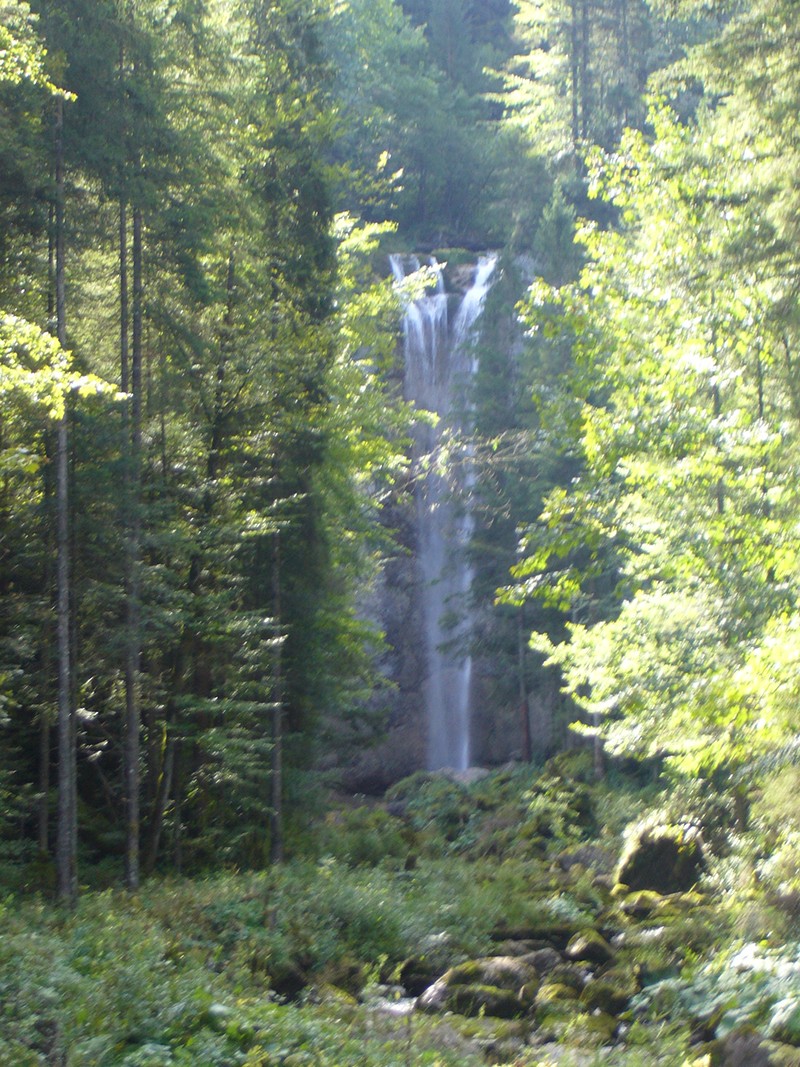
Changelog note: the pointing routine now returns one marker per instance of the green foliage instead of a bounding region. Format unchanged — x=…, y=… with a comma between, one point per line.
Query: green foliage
x=131, y=983
x=364, y=837
x=749, y=985
x=681, y=403
x=518, y=813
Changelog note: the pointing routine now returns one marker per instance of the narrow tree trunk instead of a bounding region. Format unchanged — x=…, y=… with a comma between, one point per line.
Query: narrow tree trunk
x=584, y=65
x=574, y=64
x=624, y=36
x=225, y=351
x=66, y=851
x=630, y=84
x=716, y=399
x=133, y=654
x=177, y=823
x=43, y=813
x=598, y=755
x=527, y=744
x=124, y=348
x=276, y=850
x=160, y=806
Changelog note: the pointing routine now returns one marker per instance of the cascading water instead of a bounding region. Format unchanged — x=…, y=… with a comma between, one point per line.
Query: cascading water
x=439, y=362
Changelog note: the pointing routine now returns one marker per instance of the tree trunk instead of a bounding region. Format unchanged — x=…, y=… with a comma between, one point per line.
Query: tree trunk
x=584, y=68
x=574, y=52
x=133, y=654
x=527, y=746
x=66, y=848
x=160, y=806
x=276, y=850
x=123, y=296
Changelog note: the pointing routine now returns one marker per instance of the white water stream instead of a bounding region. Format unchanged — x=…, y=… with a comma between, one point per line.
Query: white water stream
x=439, y=363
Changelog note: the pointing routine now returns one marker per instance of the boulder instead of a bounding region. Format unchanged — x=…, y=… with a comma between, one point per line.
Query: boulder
x=543, y=960
x=545, y=934
x=501, y=986
x=555, y=993
x=604, y=996
x=662, y=857
x=640, y=904
x=418, y=973
x=571, y=975
x=745, y=1048
x=591, y=947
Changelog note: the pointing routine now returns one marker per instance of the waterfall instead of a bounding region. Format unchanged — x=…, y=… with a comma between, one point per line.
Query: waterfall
x=439, y=363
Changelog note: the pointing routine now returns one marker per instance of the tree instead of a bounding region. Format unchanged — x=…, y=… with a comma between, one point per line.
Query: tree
x=683, y=405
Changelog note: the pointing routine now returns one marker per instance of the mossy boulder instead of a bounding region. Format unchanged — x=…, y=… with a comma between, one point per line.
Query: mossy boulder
x=288, y=978
x=544, y=934
x=783, y=1055
x=640, y=904
x=744, y=1047
x=477, y=999
x=591, y=947
x=599, y=1027
x=555, y=993
x=543, y=960
x=417, y=973
x=569, y=974
x=663, y=857
x=604, y=996
x=501, y=986
x=589, y=857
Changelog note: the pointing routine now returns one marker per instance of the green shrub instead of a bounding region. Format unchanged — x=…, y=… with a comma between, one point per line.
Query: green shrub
x=363, y=837
x=750, y=985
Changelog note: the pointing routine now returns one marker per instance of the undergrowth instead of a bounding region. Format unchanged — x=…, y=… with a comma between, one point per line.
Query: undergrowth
x=296, y=965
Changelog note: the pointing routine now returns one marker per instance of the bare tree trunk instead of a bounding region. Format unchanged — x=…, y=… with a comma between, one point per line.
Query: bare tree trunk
x=124, y=347
x=574, y=52
x=160, y=806
x=42, y=806
x=276, y=849
x=584, y=65
x=527, y=745
x=66, y=850
x=133, y=651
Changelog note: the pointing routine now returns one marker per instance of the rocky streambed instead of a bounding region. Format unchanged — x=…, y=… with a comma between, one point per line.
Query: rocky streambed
x=586, y=980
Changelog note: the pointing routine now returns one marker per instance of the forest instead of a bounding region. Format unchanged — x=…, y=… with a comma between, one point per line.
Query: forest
x=351, y=719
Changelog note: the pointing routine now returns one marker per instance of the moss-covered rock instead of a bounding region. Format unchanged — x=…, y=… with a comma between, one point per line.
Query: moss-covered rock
x=554, y=993
x=588, y=857
x=502, y=986
x=417, y=973
x=590, y=946
x=477, y=999
x=507, y=972
x=543, y=960
x=604, y=996
x=662, y=857
x=599, y=1027
x=570, y=974
x=741, y=1048
x=783, y=1055
x=639, y=904
x=544, y=934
